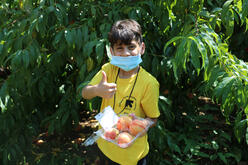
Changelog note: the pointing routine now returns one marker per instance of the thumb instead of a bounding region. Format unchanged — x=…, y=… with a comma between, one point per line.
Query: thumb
x=104, y=77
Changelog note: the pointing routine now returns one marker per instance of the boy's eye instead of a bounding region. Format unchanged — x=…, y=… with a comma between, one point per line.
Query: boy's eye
x=132, y=47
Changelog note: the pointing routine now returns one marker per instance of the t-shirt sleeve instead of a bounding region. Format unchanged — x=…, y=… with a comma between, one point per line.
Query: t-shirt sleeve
x=150, y=100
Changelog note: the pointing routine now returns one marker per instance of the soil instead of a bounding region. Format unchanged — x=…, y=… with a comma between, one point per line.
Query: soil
x=72, y=142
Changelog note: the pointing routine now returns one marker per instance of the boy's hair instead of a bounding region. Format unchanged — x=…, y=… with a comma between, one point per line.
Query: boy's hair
x=125, y=31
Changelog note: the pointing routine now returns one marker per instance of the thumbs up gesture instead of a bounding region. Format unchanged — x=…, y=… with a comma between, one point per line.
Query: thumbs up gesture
x=104, y=89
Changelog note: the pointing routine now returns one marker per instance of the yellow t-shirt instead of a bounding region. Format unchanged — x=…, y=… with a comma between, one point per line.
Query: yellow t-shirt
x=143, y=103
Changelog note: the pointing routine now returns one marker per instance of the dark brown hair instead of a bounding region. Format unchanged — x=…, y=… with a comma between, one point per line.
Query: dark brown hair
x=125, y=31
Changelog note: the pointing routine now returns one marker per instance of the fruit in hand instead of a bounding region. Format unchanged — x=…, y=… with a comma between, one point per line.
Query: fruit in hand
x=124, y=123
x=137, y=126
x=111, y=133
x=124, y=138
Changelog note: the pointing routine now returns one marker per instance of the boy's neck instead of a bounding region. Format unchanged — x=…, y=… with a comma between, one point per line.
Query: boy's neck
x=127, y=74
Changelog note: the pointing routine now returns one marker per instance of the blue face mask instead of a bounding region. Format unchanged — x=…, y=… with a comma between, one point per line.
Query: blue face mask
x=126, y=63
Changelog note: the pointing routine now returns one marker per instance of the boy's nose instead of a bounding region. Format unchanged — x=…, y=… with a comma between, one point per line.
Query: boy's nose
x=126, y=52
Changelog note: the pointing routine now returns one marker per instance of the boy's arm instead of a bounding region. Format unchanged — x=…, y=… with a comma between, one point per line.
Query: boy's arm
x=89, y=92
x=103, y=89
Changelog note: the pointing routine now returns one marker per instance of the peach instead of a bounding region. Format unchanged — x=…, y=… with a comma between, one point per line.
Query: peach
x=137, y=126
x=111, y=133
x=124, y=138
x=123, y=123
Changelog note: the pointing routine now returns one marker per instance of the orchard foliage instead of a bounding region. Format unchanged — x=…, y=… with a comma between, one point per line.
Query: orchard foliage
x=50, y=49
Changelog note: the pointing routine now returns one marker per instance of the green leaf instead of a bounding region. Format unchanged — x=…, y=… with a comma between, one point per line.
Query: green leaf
x=214, y=75
x=155, y=66
x=244, y=12
x=25, y=58
x=202, y=49
x=50, y=9
x=246, y=109
x=246, y=28
x=216, y=10
x=227, y=89
x=165, y=107
x=32, y=55
x=74, y=36
x=246, y=135
x=227, y=4
x=85, y=33
x=235, y=156
x=88, y=48
x=57, y=38
x=173, y=146
x=93, y=11
x=13, y=153
x=1, y=48
x=171, y=41
x=99, y=52
x=82, y=71
x=180, y=58
x=18, y=44
x=195, y=55
x=222, y=157
x=51, y=128
x=68, y=37
x=61, y=13
x=42, y=88
x=226, y=136
x=211, y=43
x=227, y=16
x=65, y=117
x=179, y=62
x=213, y=157
x=79, y=39
x=17, y=59
x=202, y=154
x=166, y=100
x=221, y=86
x=175, y=69
x=239, y=129
x=215, y=145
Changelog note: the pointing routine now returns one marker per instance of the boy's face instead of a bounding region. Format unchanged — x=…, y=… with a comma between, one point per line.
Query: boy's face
x=133, y=49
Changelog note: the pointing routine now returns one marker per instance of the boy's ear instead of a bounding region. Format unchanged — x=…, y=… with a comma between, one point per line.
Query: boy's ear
x=143, y=47
x=111, y=50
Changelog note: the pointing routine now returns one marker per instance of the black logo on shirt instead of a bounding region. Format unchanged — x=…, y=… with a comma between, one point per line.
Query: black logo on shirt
x=128, y=103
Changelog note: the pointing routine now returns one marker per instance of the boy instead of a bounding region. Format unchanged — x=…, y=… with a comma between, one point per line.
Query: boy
x=127, y=87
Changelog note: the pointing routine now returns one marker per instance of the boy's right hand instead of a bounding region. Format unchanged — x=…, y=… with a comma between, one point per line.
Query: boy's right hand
x=104, y=89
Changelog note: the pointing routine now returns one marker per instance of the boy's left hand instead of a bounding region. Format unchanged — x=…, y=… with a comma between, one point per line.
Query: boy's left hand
x=149, y=121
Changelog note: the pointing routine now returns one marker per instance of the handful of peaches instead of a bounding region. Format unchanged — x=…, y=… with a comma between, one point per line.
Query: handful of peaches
x=127, y=129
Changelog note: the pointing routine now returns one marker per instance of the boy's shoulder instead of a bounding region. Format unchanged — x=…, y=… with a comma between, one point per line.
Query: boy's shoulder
x=108, y=66
x=148, y=77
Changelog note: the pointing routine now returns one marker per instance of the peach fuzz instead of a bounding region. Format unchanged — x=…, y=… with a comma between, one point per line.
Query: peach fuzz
x=111, y=133
x=137, y=126
x=124, y=123
x=124, y=138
